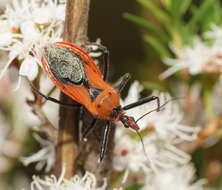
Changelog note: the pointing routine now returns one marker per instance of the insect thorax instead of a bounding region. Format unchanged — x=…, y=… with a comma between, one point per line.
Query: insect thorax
x=65, y=65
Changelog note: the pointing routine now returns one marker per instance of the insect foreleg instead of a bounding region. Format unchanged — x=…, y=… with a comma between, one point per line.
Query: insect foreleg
x=143, y=101
x=105, y=140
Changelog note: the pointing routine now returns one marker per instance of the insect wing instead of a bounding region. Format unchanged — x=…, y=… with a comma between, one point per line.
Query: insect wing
x=84, y=56
x=91, y=70
x=79, y=92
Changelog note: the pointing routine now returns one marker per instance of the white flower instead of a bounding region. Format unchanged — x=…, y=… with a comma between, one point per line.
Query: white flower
x=4, y=128
x=179, y=178
x=128, y=154
x=3, y=3
x=29, y=68
x=196, y=59
x=50, y=12
x=45, y=156
x=87, y=182
x=215, y=33
x=39, y=12
x=6, y=33
x=32, y=33
x=165, y=122
x=162, y=132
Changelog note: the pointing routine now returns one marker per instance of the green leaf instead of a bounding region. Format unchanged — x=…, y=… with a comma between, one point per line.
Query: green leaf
x=155, y=10
x=175, y=4
x=143, y=23
x=184, y=5
x=157, y=46
x=134, y=187
x=186, y=35
x=217, y=12
x=200, y=12
x=213, y=16
x=166, y=4
x=175, y=7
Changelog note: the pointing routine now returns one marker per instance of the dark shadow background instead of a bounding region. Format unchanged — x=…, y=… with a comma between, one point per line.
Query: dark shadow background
x=121, y=37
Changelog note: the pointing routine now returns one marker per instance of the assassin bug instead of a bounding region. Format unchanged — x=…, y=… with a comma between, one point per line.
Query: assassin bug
x=75, y=73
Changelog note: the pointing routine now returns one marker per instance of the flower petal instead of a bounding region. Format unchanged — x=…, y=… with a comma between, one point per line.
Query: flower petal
x=29, y=68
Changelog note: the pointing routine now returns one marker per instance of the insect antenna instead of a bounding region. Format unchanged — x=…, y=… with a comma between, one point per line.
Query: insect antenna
x=145, y=153
x=153, y=167
x=161, y=106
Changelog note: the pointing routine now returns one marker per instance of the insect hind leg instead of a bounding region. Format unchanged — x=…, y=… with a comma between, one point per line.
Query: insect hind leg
x=53, y=99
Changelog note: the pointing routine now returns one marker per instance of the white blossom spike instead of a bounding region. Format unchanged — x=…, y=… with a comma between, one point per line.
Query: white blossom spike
x=164, y=132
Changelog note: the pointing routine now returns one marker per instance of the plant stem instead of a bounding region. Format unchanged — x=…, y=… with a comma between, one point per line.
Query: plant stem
x=75, y=31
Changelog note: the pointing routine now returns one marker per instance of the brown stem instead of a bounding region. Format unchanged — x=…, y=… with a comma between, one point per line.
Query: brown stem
x=76, y=23
x=75, y=31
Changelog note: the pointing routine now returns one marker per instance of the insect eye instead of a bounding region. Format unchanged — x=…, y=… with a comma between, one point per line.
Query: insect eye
x=124, y=119
x=116, y=111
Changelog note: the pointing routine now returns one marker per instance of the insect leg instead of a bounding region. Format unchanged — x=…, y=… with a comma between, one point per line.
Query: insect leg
x=89, y=129
x=105, y=140
x=95, y=51
x=143, y=101
x=53, y=99
x=121, y=83
x=105, y=64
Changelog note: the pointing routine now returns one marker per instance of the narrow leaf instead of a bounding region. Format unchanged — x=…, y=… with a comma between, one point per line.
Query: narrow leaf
x=166, y=4
x=155, y=10
x=200, y=12
x=143, y=23
x=184, y=5
x=157, y=46
x=175, y=9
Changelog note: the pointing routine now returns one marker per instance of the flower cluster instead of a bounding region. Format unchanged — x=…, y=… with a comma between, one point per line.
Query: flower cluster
x=174, y=179
x=161, y=132
x=45, y=156
x=201, y=57
x=26, y=27
x=87, y=182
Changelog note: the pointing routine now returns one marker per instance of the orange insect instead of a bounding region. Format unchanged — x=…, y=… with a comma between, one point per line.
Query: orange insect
x=75, y=73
